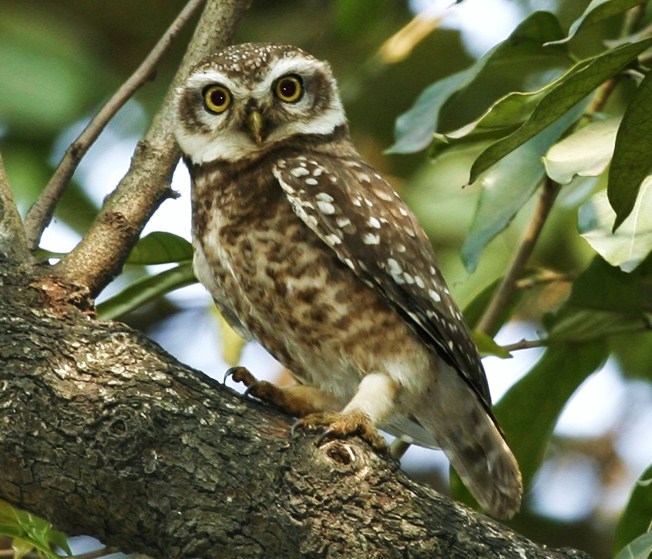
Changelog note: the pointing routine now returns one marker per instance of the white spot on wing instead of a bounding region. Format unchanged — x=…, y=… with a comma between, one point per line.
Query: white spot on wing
x=299, y=172
x=393, y=267
x=374, y=222
x=325, y=207
x=370, y=238
x=383, y=195
x=324, y=197
x=332, y=239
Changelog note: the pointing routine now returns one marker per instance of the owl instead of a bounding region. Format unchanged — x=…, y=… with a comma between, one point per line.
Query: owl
x=308, y=250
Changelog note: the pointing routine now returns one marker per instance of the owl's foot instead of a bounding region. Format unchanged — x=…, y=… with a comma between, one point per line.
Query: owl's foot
x=291, y=400
x=259, y=389
x=338, y=425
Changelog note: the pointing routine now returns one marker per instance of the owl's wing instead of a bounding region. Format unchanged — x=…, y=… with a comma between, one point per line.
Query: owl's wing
x=358, y=215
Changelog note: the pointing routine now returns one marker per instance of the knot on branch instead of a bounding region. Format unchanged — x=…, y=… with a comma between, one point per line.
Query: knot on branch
x=59, y=296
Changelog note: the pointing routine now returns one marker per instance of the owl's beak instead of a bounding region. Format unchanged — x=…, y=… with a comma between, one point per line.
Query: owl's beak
x=256, y=126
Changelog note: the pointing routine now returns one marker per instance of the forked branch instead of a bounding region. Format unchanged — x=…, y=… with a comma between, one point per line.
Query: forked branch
x=100, y=255
x=41, y=212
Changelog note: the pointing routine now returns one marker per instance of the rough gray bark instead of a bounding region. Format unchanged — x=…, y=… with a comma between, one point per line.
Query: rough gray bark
x=105, y=434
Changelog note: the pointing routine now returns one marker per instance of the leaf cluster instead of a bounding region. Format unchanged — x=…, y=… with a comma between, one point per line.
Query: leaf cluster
x=583, y=125
x=29, y=533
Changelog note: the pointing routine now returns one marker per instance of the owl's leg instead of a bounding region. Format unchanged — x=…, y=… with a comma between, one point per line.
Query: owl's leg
x=296, y=400
x=372, y=404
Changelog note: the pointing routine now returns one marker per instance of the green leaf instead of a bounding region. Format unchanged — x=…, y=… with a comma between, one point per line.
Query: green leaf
x=597, y=11
x=160, y=247
x=605, y=287
x=583, y=325
x=476, y=307
x=566, y=92
x=501, y=118
x=21, y=547
x=632, y=159
x=487, y=346
x=637, y=516
x=546, y=389
x=632, y=242
x=633, y=351
x=585, y=153
x=146, y=290
x=414, y=129
x=604, y=301
x=640, y=548
x=29, y=532
x=7, y=514
x=507, y=186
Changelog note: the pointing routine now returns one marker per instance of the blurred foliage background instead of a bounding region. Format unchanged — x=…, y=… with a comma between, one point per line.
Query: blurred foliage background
x=58, y=66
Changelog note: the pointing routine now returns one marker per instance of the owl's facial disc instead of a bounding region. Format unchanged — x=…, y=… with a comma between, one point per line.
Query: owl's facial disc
x=229, y=115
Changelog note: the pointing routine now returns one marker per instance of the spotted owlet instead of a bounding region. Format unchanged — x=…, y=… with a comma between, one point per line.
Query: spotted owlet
x=307, y=249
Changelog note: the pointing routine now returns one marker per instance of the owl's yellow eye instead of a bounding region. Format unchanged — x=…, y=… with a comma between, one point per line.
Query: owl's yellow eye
x=217, y=98
x=289, y=88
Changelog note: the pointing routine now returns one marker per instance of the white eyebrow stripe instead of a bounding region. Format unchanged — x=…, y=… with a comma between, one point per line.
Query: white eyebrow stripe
x=294, y=65
x=208, y=77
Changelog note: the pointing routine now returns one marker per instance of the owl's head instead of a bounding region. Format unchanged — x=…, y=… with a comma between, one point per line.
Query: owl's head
x=248, y=99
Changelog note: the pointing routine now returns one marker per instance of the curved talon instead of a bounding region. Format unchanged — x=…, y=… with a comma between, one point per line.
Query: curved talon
x=327, y=434
x=340, y=426
x=229, y=373
x=240, y=374
x=293, y=429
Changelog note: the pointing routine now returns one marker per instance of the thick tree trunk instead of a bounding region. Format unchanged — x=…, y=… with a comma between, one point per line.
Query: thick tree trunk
x=105, y=434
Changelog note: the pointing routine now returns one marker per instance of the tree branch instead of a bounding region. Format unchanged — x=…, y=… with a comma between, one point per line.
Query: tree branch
x=100, y=255
x=107, y=435
x=41, y=212
x=12, y=234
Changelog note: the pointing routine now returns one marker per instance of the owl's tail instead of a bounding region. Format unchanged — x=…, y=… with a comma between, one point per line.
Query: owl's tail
x=476, y=448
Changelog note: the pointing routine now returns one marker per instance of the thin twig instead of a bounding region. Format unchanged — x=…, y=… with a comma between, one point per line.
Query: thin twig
x=524, y=344
x=601, y=96
x=41, y=212
x=543, y=277
x=491, y=319
x=100, y=255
